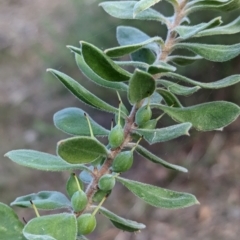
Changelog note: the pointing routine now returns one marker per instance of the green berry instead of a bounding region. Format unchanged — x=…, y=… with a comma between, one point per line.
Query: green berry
x=72, y=186
x=106, y=182
x=116, y=136
x=86, y=223
x=143, y=115
x=99, y=195
x=79, y=201
x=122, y=162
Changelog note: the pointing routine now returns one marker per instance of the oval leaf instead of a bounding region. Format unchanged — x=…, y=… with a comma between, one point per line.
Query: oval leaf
x=10, y=226
x=225, y=82
x=143, y=5
x=178, y=89
x=45, y=200
x=102, y=65
x=164, y=134
x=122, y=223
x=80, y=150
x=186, y=32
x=52, y=227
x=153, y=158
x=87, y=71
x=204, y=117
x=124, y=10
x=82, y=93
x=41, y=161
x=127, y=49
x=159, y=197
x=230, y=28
x=73, y=121
x=141, y=85
x=169, y=98
x=215, y=53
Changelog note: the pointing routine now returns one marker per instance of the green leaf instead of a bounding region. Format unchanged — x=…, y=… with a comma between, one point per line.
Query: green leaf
x=204, y=117
x=127, y=49
x=10, y=226
x=159, y=197
x=220, y=5
x=86, y=176
x=82, y=93
x=186, y=32
x=230, y=28
x=52, y=227
x=169, y=98
x=133, y=36
x=41, y=161
x=154, y=98
x=153, y=158
x=164, y=134
x=45, y=200
x=121, y=223
x=141, y=85
x=73, y=121
x=124, y=10
x=161, y=67
x=144, y=55
x=178, y=89
x=87, y=71
x=215, y=53
x=225, y=82
x=102, y=65
x=183, y=60
x=135, y=64
x=142, y=5
x=81, y=238
x=82, y=150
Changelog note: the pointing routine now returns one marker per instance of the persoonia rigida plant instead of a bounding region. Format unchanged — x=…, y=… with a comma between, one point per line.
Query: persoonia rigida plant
x=151, y=85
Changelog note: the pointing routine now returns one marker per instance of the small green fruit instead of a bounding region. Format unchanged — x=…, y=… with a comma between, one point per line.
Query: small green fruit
x=86, y=223
x=106, y=182
x=151, y=124
x=72, y=186
x=143, y=115
x=116, y=136
x=79, y=201
x=122, y=162
x=99, y=195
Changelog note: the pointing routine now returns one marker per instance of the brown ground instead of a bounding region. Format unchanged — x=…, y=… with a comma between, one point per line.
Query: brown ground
x=27, y=103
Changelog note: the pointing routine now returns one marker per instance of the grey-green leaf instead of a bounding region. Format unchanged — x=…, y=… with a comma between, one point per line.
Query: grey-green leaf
x=222, y=83
x=141, y=85
x=124, y=10
x=102, y=65
x=87, y=71
x=10, y=226
x=159, y=197
x=186, y=32
x=215, y=53
x=80, y=150
x=73, y=121
x=45, y=200
x=161, y=67
x=183, y=60
x=127, y=49
x=82, y=93
x=204, y=117
x=142, y=5
x=230, y=28
x=164, y=134
x=52, y=227
x=122, y=223
x=41, y=161
x=177, y=88
x=153, y=158
x=169, y=98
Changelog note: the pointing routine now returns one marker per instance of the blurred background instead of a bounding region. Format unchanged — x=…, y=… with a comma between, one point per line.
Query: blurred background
x=33, y=36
